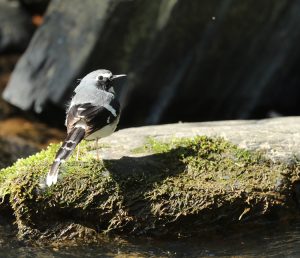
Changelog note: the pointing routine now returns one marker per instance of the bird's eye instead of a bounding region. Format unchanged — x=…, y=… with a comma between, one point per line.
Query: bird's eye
x=100, y=78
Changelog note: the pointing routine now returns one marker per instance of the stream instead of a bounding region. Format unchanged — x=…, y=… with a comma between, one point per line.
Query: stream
x=279, y=240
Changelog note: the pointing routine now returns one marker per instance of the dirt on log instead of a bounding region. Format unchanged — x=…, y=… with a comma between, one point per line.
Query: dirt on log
x=176, y=179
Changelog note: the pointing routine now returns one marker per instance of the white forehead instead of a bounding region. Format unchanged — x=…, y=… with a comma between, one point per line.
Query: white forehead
x=97, y=73
x=104, y=73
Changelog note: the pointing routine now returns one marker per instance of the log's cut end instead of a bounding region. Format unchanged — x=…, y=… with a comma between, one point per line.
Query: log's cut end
x=179, y=186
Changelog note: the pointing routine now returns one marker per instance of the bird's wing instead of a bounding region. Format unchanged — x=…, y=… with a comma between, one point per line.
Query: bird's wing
x=94, y=117
x=82, y=120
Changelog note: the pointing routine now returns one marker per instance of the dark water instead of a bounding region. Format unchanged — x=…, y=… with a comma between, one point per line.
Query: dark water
x=272, y=240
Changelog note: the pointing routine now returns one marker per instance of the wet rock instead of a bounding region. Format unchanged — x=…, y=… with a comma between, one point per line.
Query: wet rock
x=20, y=138
x=14, y=148
x=16, y=27
x=152, y=181
x=35, y=133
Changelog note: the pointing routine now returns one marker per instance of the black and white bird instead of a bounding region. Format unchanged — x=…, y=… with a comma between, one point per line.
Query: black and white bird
x=93, y=113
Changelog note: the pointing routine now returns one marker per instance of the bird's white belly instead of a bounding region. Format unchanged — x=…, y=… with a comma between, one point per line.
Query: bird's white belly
x=104, y=131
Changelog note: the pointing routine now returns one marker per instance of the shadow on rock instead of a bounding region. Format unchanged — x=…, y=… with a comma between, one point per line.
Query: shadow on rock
x=137, y=177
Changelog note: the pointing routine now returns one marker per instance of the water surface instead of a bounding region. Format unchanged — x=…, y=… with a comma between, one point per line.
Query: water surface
x=271, y=240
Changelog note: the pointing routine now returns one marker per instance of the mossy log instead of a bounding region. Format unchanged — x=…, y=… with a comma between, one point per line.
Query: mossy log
x=178, y=186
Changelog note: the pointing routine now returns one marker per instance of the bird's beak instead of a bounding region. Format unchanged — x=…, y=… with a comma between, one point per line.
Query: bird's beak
x=118, y=76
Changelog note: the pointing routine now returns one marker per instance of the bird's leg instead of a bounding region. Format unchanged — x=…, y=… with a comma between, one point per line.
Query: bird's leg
x=77, y=155
x=97, y=148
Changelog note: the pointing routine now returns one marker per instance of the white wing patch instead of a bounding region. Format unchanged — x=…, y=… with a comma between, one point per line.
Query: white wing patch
x=81, y=124
x=110, y=109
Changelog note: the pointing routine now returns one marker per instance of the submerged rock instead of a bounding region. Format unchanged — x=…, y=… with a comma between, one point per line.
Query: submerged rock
x=160, y=180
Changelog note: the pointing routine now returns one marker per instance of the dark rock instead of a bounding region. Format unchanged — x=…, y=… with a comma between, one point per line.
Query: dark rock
x=35, y=6
x=186, y=60
x=7, y=63
x=16, y=27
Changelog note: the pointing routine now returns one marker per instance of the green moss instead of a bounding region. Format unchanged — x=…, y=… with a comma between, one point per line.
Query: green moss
x=202, y=179
x=214, y=172
x=24, y=184
x=154, y=146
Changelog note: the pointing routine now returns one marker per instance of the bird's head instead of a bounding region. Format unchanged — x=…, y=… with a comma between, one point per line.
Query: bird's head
x=102, y=79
